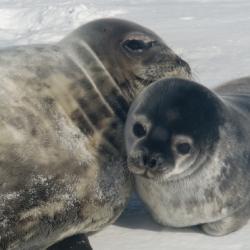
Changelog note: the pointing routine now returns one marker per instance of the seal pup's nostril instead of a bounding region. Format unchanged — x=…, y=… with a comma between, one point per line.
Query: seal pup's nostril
x=145, y=160
x=152, y=163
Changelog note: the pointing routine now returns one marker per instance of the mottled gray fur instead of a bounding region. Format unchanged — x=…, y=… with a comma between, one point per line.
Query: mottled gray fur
x=214, y=189
x=62, y=111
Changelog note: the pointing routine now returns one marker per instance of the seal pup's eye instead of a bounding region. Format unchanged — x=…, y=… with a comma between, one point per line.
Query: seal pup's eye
x=139, y=130
x=137, y=45
x=183, y=148
x=182, y=144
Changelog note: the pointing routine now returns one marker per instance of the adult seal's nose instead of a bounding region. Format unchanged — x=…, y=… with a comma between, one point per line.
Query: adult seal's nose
x=182, y=63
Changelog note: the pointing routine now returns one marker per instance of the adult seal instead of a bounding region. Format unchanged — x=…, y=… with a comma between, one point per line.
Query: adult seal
x=62, y=111
x=189, y=149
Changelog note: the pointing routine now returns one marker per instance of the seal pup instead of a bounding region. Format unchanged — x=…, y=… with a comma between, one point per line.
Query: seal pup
x=189, y=149
x=62, y=112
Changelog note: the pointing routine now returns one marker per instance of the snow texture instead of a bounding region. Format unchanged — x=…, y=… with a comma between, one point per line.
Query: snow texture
x=212, y=35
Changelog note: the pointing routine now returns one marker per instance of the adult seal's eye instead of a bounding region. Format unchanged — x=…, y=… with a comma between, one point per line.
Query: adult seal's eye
x=137, y=46
x=183, y=148
x=139, y=130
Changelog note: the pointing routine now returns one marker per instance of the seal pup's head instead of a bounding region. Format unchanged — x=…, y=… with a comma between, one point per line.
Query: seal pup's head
x=172, y=128
x=133, y=55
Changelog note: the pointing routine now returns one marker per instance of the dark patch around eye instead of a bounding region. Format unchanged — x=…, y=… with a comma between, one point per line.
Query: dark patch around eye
x=139, y=130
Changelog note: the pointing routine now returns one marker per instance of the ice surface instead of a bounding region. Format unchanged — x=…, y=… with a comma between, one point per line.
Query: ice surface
x=212, y=35
x=135, y=230
x=36, y=21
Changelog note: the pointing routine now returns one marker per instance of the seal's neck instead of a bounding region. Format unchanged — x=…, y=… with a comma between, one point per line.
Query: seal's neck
x=93, y=96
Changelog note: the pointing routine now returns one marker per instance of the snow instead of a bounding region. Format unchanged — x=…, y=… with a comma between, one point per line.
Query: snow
x=135, y=230
x=212, y=35
x=36, y=21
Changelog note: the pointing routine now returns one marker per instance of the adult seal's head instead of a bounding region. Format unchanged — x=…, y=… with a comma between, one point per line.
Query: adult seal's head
x=133, y=55
x=171, y=127
x=189, y=149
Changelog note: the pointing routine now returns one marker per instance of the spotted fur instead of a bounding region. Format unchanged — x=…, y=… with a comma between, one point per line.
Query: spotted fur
x=62, y=112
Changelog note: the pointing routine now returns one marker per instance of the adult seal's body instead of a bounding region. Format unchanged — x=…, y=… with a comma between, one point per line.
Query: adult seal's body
x=62, y=110
x=189, y=148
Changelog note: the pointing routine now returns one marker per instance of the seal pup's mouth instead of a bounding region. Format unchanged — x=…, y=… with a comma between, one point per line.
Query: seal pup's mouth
x=169, y=172
x=157, y=174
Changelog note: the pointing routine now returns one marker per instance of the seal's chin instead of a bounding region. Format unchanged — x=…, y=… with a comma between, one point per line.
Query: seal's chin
x=154, y=174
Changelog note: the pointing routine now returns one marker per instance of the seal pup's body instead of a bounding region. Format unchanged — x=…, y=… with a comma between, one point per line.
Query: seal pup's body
x=62, y=110
x=189, y=148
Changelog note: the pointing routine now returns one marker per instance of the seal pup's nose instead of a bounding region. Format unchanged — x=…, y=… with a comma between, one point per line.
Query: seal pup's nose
x=150, y=161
